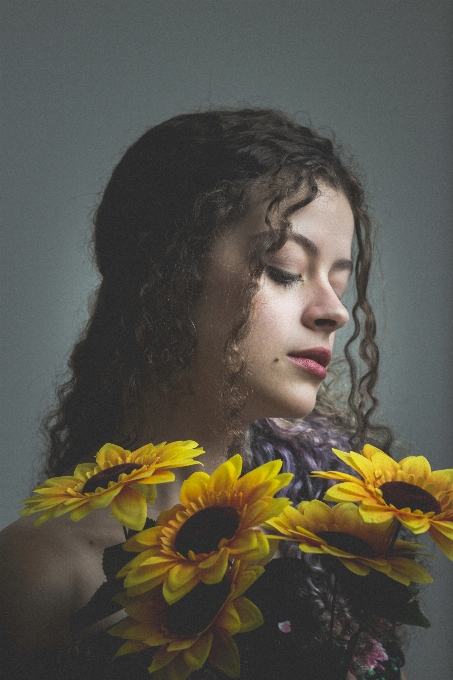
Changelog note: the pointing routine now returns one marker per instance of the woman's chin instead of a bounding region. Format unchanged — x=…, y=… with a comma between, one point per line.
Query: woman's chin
x=285, y=408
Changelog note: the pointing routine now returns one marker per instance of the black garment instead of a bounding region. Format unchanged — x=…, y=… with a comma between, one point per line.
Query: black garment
x=291, y=645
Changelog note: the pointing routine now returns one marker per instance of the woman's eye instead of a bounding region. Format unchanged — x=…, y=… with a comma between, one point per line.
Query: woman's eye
x=282, y=277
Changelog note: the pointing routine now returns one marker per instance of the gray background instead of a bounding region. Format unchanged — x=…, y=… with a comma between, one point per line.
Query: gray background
x=82, y=79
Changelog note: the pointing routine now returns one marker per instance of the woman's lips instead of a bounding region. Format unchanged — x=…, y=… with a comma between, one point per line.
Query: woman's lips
x=313, y=361
x=310, y=366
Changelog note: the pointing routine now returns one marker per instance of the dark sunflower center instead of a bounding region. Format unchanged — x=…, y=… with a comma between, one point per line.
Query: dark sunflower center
x=203, y=531
x=195, y=611
x=348, y=543
x=405, y=495
x=103, y=477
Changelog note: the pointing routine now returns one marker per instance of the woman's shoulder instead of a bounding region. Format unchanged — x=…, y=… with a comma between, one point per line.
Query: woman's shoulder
x=48, y=573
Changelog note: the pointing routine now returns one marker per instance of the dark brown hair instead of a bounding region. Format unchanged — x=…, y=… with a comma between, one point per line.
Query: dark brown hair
x=174, y=191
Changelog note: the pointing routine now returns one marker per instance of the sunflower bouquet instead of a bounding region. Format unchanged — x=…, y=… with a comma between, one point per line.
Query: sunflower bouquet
x=199, y=586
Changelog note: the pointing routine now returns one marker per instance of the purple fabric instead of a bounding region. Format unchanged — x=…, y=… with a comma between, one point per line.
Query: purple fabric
x=303, y=446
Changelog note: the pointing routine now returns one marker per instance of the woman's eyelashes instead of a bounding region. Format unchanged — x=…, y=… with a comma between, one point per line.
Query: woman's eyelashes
x=283, y=277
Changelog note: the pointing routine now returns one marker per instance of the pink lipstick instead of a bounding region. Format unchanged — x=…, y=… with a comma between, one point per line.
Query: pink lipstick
x=314, y=361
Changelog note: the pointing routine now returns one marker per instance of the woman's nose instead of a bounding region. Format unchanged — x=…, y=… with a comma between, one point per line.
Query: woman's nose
x=325, y=311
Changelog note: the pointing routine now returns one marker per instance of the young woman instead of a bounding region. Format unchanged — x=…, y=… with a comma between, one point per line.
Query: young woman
x=224, y=241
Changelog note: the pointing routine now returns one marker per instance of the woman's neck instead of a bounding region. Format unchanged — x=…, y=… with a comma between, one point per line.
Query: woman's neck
x=183, y=417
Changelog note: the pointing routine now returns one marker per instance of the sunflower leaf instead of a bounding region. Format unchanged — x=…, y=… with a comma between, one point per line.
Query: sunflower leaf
x=99, y=607
x=114, y=559
x=149, y=524
x=411, y=615
x=377, y=594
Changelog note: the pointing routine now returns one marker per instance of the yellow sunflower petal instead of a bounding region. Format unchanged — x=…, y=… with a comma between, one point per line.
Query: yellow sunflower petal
x=358, y=462
x=43, y=517
x=147, y=537
x=442, y=478
x=315, y=548
x=111, y=453
x=347, y=491
x=145, y=586
x=129, y=508
x=139, y=569
x=180, y=574
x=161, y=658
x=261, y=474
x=130, y=630
x=172, y=596
x=442, y=535
x=384, y=467
x=316, y=513
x=149, y=491
x=255, y=553
x=215, y=570
x=193, y=487
x=417, y=466
x=417, y=523
x=374, y=513
x=130, y=647
x=333, y=474
x=162, y=476
x=247, y=540
x=80, y=512
x=229, y=619
x=177, y=669
x=195, y=656
x=104, y=497
x=265, y=509
x=410, y=569
x=179, y=644
x=248, y=577
x=249, y=614
x=82, y=471
x=225, y=655
x=121, y=628
x=445, y=527
x=356, y=567
x=211, y=560
x=225, y=476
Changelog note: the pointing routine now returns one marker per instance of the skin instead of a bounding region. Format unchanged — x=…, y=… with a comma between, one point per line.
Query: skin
x=47, y=574
x=304, y=314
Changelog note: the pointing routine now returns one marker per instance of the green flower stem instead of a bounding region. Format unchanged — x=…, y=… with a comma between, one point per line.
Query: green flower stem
x=350, y=652
x=332, y=607
x=394, y=537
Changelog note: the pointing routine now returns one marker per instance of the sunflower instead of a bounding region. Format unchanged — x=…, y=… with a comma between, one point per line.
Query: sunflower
x=421, y=499
x=341, y=532
x=123, y=480
x=198, y=628
x=217, y=521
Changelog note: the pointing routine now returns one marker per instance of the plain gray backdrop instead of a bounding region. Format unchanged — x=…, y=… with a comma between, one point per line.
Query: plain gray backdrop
x=81, y=79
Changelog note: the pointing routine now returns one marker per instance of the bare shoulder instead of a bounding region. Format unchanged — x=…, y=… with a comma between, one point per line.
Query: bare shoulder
x=46, y=574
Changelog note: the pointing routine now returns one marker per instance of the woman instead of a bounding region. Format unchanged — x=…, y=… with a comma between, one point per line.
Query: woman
x=224, y=242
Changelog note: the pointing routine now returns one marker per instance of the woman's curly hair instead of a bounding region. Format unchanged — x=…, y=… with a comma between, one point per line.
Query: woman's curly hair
x=176, y=189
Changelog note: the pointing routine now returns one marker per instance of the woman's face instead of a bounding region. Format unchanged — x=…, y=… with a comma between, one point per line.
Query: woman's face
x=295, y=314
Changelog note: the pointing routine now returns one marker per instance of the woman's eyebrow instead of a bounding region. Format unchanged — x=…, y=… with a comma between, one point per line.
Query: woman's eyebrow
x=343, y=264
x=306, y=243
